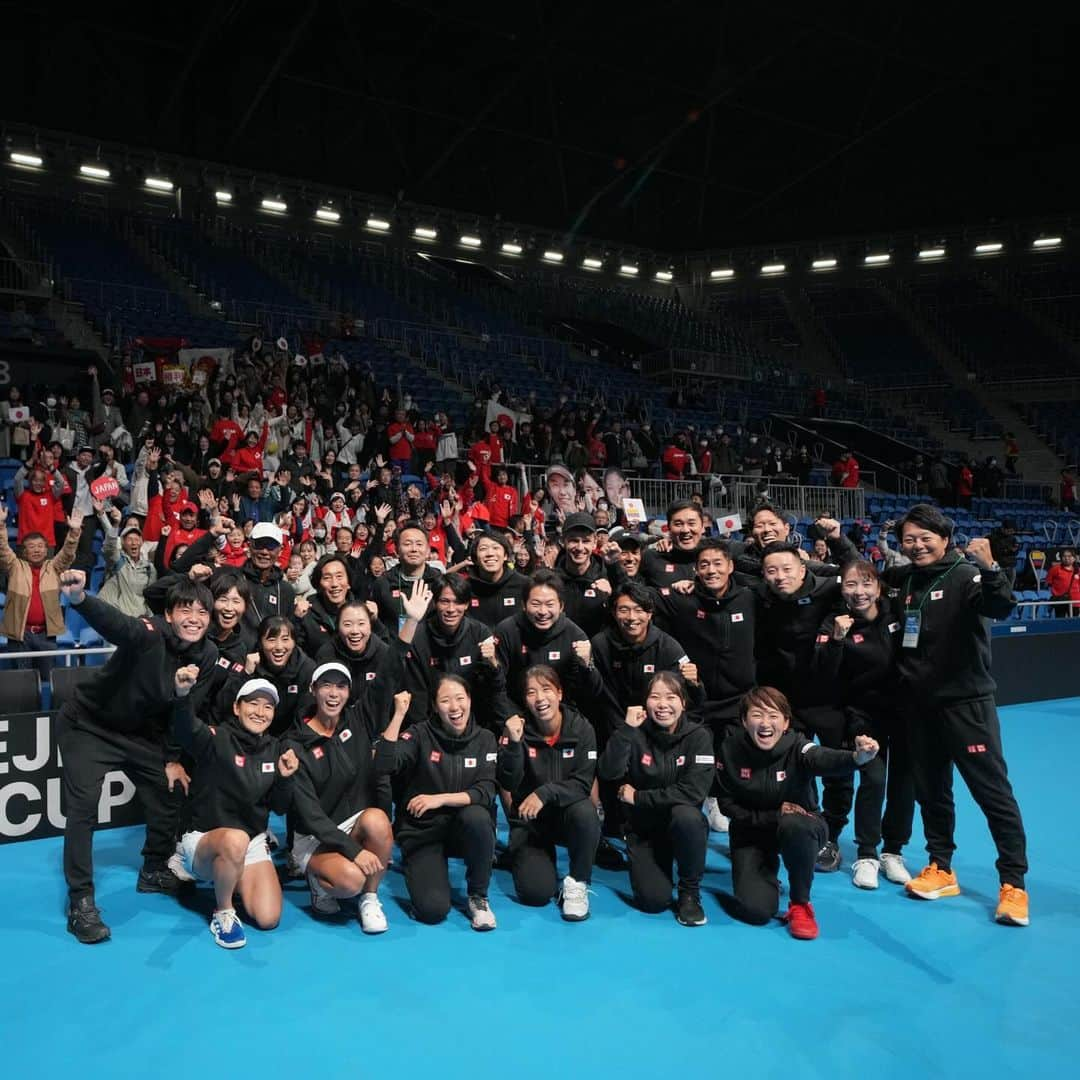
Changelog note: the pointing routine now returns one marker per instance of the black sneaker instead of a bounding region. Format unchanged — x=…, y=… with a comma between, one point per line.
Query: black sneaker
x=688, y=909
x=608, y=856
x=828, y=858
x=157, y=879
x=84, y=921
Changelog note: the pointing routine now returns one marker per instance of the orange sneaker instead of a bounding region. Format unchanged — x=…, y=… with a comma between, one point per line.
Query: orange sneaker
x=933, y=884
x=1012, y=909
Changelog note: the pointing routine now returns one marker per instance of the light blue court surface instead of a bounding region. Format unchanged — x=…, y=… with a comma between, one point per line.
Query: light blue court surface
x=892, y=987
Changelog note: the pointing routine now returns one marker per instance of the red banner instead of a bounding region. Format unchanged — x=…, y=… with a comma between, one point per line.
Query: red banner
x=104, y=487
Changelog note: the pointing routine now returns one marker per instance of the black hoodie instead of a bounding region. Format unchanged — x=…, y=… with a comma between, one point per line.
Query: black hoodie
x=391, y=589
x=952, y=660
x=754, y=782
x=519, y=646
x=587, y=605
x=236, y=783
x=377, y=675
x=561, y=774
x=432, y=761
x=662, y=568
x=493, y=601
x=292, y=682
x=336, y=779
x=275, y=596
x=666, y=769
x=860, y=669
x=134, y=692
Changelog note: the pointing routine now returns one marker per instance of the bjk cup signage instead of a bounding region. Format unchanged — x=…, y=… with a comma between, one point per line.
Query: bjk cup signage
x=31, y=784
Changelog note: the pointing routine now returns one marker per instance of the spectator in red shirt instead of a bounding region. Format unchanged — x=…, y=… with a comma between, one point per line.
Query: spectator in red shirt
x=1063, y=581
x=185, y=531
x=1068, y=491
x=401, y=435
x=845, y=471
x=37, y=506
x=424, y=445
x=223, y=432
x=482, y=456
x=965, y=481
x=502, y=499
x=249, y=457
x=676, y=459
x=164, y=508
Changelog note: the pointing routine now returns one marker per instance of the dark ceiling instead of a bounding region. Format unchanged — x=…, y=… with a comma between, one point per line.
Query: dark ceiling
x=677, y=125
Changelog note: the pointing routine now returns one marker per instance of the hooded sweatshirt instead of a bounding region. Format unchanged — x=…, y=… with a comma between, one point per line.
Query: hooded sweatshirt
x=587, y=605
x=493, y=601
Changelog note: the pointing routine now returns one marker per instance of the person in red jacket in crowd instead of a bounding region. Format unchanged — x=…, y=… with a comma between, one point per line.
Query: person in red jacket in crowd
x=164, y=508
x=1068, y=490
x=595, y=449
x=185, y=531
x=249, y=457
x=533, y=509
x=401, y=435
x=1063, y=581
x=676, y=458
x=424, y=446
x=487, y=452
x=845, y=471
x=37, y=505
x=223, y=431
x=436, y=533
x=235, y=552
x=502, y=499
x=965, y=485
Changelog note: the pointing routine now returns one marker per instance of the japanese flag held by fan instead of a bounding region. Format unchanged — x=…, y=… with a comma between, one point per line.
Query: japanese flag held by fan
x=729, y=523
x=506, y=416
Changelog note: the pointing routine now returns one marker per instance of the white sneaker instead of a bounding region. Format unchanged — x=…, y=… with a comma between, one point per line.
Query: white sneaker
x=717, y=821
x=372, y=916
x=480, y=914
x=575, y=900
x=864, y=873
x=894, y=868
x=321, y=902
x=176, y=865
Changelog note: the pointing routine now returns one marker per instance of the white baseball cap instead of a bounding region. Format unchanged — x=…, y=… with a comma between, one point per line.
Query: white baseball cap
x=327, y=669
x=267, y=530
x=254, y=687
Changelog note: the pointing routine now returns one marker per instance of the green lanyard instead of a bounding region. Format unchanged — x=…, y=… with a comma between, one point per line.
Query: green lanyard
x=929, y=590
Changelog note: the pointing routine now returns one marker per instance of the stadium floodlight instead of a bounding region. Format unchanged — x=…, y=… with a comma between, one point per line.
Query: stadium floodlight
x=511, y=247
x=590, y=263
x=823, y=264
x=95, y=172
x=158, y=183
x=275, y=206
x=990, y=248
x=877, y=259
x=30, y=161
x=377, y=224
x=469, y=240
x=223, y=197
x=664, y=275
x=327, y=213
x=929, y=254
x=1042, y=242
x=553, y=256
x=725, y=274
x=425, y=232
x=771, y=269
x=628, y=270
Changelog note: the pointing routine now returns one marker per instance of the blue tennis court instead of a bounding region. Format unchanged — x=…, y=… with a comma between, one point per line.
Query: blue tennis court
x=892, y=987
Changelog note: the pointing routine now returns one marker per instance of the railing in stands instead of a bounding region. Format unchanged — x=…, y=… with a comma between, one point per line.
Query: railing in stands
x=801, y=500
x=26, y=276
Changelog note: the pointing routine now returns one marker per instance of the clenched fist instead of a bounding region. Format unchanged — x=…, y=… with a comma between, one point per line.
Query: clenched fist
x=842, y=626
x=515, y=728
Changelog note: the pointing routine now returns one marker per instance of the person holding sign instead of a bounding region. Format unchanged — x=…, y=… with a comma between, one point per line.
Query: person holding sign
x=946, y=692
x=243, y=774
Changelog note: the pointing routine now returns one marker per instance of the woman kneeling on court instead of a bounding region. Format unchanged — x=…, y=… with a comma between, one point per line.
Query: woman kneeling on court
x=665, y=763
x=242, y=775
x=547, y=762
x=766, y=774
x=343, y=841
x=446, y=769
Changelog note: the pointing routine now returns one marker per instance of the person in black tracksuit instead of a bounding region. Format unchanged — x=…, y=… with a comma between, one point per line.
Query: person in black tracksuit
x=120, y=720
x=588, y=579
x=855, y=657
x=271, y=594
x=766, y=773
x=769, y=525
x=947, y=693
x=447, y=765
x=343, y=839
x=686, y=528
x=542, y=634
x=446, y=640
x=547, y=762
x=243, y=773
x=498, y=591
x=664, y=764
x=390, y=590
x=330, y=579
x=375, y=667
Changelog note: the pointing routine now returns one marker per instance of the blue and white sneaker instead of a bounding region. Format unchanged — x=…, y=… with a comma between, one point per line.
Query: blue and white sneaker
x=227, y=929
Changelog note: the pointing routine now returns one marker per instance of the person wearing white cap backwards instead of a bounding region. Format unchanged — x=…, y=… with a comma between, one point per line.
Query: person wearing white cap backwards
x=271, y=594
x=343, y=841
x=243, y=773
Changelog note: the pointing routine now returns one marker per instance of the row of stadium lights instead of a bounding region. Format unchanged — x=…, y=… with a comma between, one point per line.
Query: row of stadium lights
x=429, y=233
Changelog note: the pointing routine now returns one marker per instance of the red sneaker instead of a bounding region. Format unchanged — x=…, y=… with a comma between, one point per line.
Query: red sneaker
x=801, y=923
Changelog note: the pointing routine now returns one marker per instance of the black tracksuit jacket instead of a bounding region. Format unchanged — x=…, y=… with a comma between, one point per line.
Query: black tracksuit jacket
x=747, y=556
x=561, y=775
x=859, y=672
x=391, y=589
x=754, y=782
x=236, y=783
x=431, y=761
x=377, y=675
x=718, y=633
x=336, y=779
x=587, y=605
x=952, y=660
x=134, y=692
x=292, y=682
x=662, y=568
x=665, y=769
x=493, y=601
x=275, y=596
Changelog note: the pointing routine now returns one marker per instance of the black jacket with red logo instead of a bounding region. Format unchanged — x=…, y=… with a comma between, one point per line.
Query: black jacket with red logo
x=560, y=774
x=236, y=783
x=666, y=769
x=336, y=779
x=376, y=672
x=860, y=669
x=587, y=605
x=493, y=601
x=431, y=761
x=292, y=682
x=661, y=568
